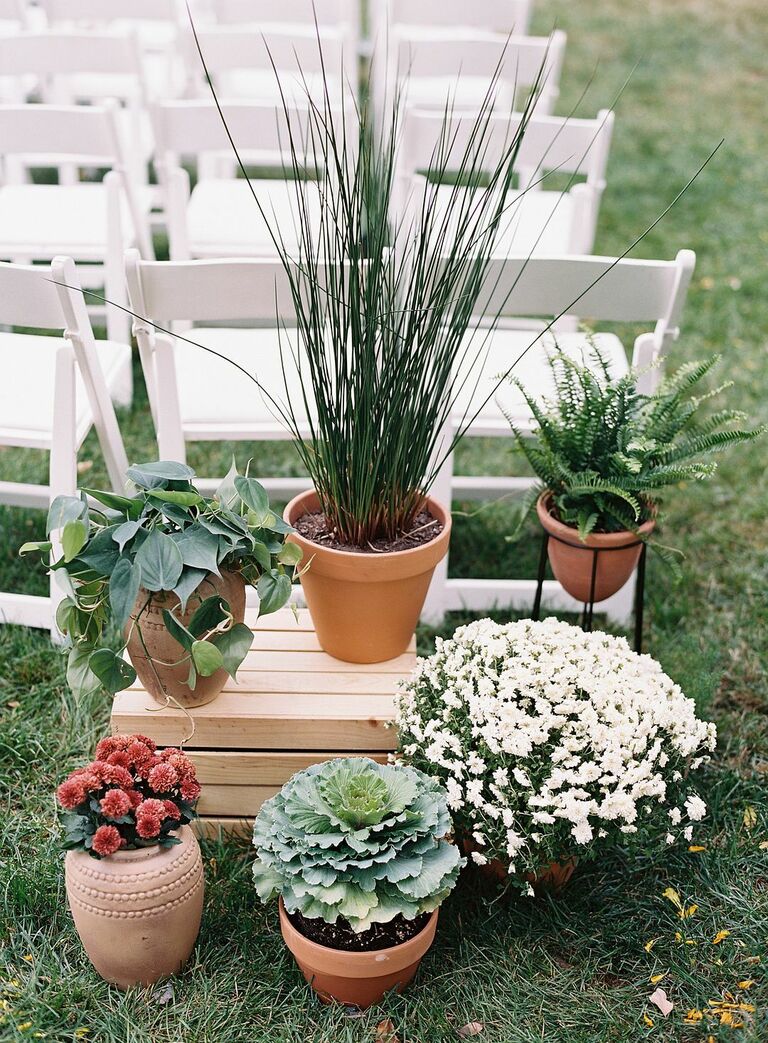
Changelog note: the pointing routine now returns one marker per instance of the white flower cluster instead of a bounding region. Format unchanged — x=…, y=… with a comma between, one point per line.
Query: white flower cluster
x=548, y=738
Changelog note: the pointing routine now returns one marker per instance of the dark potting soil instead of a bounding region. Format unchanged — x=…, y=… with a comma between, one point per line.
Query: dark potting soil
x=317, y=529
x=340, y=935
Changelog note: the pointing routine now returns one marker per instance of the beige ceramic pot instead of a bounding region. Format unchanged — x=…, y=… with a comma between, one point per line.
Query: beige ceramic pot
x=365, y=607
x=357, y=979
x=137, y=912
x=572, y=561
x=164, y=681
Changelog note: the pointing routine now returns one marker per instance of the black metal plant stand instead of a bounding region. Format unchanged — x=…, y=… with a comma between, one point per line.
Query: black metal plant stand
x=589, y=606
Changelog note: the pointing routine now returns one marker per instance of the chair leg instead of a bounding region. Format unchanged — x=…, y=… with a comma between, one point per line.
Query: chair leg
x=442, y=491
x=63, y=461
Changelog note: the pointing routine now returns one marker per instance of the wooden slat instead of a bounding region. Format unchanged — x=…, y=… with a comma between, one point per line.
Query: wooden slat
x=259, y=768
x=283, y=682
x=211, y=827
x=303, y=722
x=306, y=641
x=233, y=800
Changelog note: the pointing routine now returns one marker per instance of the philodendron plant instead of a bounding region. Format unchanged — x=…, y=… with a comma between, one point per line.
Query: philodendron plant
x=354, y=840
x=163, y=540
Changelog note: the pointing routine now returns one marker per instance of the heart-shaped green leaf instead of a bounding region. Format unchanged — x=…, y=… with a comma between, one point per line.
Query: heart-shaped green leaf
x=125, y=532
x=234, y=646
x=65, y=509
x=177, y=630
x=291, y=554
x=113, y=672
x=274, y=590
x=160, y=561
x=209, y=614
x=124, y=586
x=252, y=493
x=207, y=658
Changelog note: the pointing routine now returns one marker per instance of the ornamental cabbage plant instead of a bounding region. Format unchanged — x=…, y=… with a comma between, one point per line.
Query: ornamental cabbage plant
x=356, y=840
x=551, y=742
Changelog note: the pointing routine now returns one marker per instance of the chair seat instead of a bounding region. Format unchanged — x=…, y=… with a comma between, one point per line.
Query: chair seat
x=533, y=222
x=27, y=371
x=458, y=93
x=223, y=218
x=213, y=393
x=44, y=220
x=496, y=351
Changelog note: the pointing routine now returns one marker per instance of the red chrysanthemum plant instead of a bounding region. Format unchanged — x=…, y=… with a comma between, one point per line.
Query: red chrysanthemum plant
x=132, y=795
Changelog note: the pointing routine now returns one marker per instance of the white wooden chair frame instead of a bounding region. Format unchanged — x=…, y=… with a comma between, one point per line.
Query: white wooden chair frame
x=499, y=16
x=627, y=291
x=216, y=292
x=49, y=298
x=194, y=128
x=573, y=146
x=80, y=135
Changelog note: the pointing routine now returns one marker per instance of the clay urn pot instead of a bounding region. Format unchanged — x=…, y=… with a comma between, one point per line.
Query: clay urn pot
x=164, y=682
x=573, y=560
x=357, y=979
x=137, y=912
x=365, y=607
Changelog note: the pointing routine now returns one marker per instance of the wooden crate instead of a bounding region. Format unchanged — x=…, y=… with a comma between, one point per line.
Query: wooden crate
x=292, y=705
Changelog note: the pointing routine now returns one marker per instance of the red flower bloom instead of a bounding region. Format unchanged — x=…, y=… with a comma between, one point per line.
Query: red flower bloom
x=107, y=840
x=171, y=810
x=91, y=780
x=135, y=797
x=120, y=757
x=106, y=747
x=71, y=793
x=146, y=740
x=190, y=790
x=115, y=803
x=112, y=774
x=180, y=762
x=151, y=807
x=148, y=826
x=163, y=777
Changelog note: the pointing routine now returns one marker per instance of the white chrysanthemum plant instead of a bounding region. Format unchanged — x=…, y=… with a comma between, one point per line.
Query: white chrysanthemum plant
x=551, y=742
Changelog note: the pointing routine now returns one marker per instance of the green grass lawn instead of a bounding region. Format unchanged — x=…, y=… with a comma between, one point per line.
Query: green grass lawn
x=573, y=970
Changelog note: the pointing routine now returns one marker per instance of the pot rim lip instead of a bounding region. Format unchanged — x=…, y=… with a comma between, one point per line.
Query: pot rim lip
x=385, y=555
x=600, y=539
x=377, y=954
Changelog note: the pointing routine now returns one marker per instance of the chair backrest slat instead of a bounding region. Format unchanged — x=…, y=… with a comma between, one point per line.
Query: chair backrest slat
x=28, y=297
x=519, y=58
x=230, y=48
x=82, y=131
x=497, y=15
x=328, y=12
x=549, y=142
x=58, y=53
x=597, y=288
x=100, y=12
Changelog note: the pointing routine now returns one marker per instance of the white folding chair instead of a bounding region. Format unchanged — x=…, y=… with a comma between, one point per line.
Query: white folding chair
x=194, y=395
x=53, y=390
x=498, y=16
x=156, y=23
x=267, y=64
x=441, y=69
x=90, y=221
x=595, y=289
x=220, y=217
x=327, y=14
x=535, y=220
x=78, y=66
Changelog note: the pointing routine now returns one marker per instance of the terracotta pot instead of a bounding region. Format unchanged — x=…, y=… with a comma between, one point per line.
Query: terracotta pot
x=357, y=979
x=572, y=561
x=551, y=878
x=170, y=681
x=137, y=912
x=365, y=607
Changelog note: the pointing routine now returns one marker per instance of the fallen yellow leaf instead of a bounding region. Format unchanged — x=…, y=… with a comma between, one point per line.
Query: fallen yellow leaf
x=750, y=817
x=728, y=1018
x=696, y=848
x=752, y=959
x=746, y=984
x=673, y=897
x=720, y=937
x=24, y=1026
x=692, y=1017
x=763, y=845
x=29, y=958
x=656, y=978
x=650, y=944
x=648, y=1021
x=687, y=912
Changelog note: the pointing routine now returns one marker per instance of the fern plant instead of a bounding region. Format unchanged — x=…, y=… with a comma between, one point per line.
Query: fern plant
x=604, y=450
